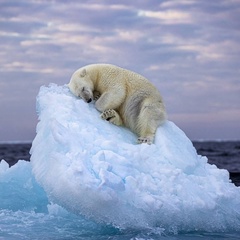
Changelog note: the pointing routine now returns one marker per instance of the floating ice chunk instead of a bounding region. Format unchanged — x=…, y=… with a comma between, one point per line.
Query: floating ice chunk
x=96, y=169
x=19, y=189
x=3, y=167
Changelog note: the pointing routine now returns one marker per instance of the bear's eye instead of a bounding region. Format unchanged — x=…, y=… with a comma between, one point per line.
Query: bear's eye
x=83, y=89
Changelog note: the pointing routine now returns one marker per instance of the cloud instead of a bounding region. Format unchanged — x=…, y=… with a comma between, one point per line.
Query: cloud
x=188, y=49
x=177, y=3
x=168, y=16
x=24, y=67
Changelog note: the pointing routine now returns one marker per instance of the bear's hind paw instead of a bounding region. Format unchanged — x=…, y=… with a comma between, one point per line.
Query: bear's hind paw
x=147, y=140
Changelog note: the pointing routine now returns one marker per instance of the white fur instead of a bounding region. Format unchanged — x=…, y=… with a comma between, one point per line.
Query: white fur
x=123, y=97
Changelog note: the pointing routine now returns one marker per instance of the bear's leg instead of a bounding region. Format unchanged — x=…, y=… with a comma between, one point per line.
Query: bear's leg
x=150, y=117
x=147, y=127
x=109, y=100
x=112, y=116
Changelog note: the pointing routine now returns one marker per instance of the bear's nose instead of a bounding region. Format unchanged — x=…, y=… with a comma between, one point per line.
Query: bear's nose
x=89, y=100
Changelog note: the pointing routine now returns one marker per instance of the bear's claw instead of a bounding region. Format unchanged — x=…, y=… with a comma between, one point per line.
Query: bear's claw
x=145, y=140
x=96, y=95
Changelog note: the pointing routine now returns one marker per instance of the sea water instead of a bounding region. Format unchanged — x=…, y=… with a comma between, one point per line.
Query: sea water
x=89, y=179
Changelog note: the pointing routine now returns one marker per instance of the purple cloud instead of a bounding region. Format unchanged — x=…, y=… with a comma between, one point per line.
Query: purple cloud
x=188, y=49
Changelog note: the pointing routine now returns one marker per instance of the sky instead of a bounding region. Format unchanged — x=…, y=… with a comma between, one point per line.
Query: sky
x=189, y=49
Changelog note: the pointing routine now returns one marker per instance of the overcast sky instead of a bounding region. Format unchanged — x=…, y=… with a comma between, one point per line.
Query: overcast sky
x=190, y=49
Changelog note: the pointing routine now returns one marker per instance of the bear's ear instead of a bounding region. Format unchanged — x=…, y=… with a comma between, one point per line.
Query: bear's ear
x=83, y=73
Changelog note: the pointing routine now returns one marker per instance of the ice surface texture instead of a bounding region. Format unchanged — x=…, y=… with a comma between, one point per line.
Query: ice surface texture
x=96, y=169
x=26, y=213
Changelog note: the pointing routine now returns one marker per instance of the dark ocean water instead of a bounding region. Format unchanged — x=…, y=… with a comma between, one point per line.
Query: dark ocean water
x=225, y=155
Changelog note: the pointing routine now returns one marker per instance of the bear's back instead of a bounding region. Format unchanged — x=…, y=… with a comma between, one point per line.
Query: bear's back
x=110, y=73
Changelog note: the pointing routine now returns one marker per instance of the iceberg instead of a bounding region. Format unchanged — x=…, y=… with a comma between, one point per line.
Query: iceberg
x=95, y=169
x=26, y=213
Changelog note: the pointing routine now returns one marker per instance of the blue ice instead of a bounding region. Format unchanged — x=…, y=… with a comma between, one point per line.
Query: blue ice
x=92, y=178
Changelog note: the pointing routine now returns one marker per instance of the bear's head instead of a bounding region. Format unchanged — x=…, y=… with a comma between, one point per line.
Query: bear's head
x=81, y=85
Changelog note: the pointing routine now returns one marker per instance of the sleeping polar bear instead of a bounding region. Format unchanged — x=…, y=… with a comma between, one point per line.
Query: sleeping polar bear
x=123, y=97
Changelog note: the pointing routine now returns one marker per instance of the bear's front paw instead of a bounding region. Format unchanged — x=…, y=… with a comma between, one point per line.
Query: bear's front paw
x=108, y=114
x=147, y=140
x=96, y=95
x=111, y=116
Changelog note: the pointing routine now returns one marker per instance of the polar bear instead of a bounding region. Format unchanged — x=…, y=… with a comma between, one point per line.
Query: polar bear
x=123, y=97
